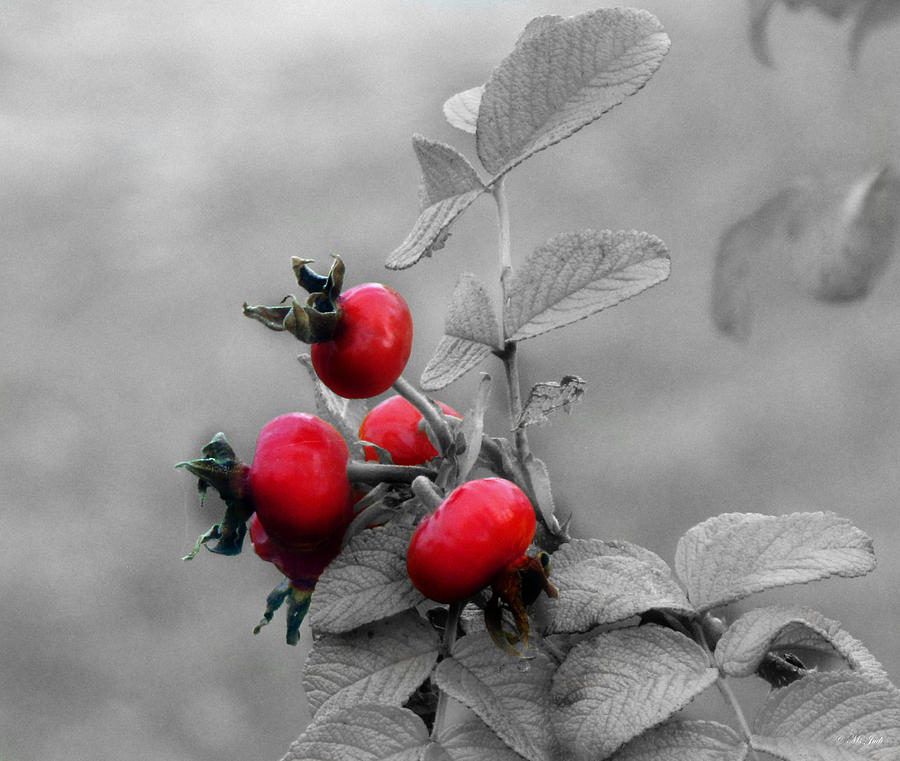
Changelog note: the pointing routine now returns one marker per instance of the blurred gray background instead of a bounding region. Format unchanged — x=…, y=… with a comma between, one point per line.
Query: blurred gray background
x=160, y=163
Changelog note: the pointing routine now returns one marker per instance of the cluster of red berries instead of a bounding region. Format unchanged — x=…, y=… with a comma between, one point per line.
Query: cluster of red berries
x=297, y=496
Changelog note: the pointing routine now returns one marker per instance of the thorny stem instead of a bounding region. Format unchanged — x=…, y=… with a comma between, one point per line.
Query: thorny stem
x=440, y=716
x=429, y=411
x=725, y=688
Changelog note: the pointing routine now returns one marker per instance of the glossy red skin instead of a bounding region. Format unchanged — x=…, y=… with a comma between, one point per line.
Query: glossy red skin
x=302, y=567
x=371, y=345
x=298, y=481
x=394, y=425
x=480, y=528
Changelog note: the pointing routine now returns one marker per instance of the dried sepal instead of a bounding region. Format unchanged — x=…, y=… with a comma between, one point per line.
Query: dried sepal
x=220, y=468
x=517, y=587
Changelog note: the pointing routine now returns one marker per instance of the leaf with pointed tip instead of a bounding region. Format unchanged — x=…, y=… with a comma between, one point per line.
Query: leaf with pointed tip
x=738, y=265
x=382, y=662
x=363, y=733
x=461, y=110
x=366, y=582
x=449, y=186
x=545, y=398
x=733, y=555
x=600, y=584
x=844, y=709
x=473, y=740
x=575, y=275
x=473, y=429
x=508, y=694
x=874, y=13
x=472, y=332
x=619, y=683
x=685, y=741
x=539, y=479
x=344, y=414
x=562, y=76
x=746, y=642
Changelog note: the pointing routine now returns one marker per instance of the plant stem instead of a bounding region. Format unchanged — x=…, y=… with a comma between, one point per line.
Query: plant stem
x=509, y=354
x=505, y=244
x=725, y=688
x=440, y=716
x=523, y=449
x=430, y=412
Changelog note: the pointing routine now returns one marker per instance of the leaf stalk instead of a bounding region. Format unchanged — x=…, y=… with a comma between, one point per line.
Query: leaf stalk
x=449, y=639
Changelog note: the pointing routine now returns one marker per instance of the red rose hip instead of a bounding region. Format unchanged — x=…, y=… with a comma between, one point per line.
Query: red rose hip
x=396, y=425
x=302, y=567
x=298, y=481
x=371, y=343
x=481, y=527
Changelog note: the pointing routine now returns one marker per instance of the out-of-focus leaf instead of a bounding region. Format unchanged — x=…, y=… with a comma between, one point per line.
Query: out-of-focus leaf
x=746, y=642
x=562, y=75
x=739, y=263
x=575, y=275
x=600, y=584
x=685, y=741
x=472, y=332
x=841, y=708
x=735, y=554
x=449, y=186
x=835, y=236
x=366, y=582
x=618, y=684
x=461, y=110
x=382, y=662
x=344, y=414
x=874, y=13
x=836, y=10
x=473, y=740
x=363, y=733
x=847, y=236
x=759, y=39
x=509, y=694
x=548, y=397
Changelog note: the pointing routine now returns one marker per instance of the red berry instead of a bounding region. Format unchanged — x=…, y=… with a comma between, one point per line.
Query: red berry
x=371, y=344
x=396, y=425
x=302, y=566
x=470, y=539
x=298, y=481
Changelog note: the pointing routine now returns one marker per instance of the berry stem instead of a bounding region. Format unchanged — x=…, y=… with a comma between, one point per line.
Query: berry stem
x=425, y=491
x=430, y=412
x=374, y=472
